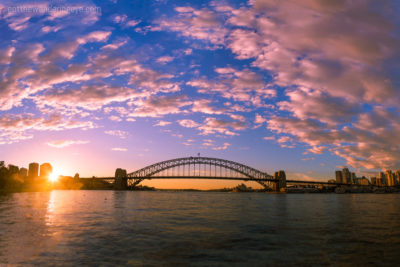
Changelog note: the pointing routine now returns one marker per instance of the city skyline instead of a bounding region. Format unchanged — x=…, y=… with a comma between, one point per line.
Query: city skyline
x=303, y=86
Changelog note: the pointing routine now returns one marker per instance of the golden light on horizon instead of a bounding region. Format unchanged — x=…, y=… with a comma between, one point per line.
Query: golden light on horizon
x=54, y=176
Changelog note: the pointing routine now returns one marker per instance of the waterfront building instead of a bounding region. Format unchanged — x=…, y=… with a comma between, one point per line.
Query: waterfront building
x=397, y=177
x=374, y=181
x=339, y=177
x=382, y=178
x=389, y=178
x=23, y=172
x=13, y=169
x=33, y=170
x=363, y=181
x=346, y=175
x=353, y=178
x=45, y=170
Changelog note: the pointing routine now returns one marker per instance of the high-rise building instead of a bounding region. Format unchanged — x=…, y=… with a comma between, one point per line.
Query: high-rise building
x=389, y=178
x=362, y=181
x=346, y=175
x=397, y=177
x=339, y=177
x=13, y=169
x=33, y=170
x=45, y=170
x=23, y=172
x=382, y=178
x=353, y=178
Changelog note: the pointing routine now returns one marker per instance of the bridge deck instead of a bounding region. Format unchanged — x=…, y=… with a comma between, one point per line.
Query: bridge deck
x=224, y=178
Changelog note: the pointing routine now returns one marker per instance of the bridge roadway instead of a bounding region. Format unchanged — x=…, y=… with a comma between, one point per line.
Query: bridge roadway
x=223, y=178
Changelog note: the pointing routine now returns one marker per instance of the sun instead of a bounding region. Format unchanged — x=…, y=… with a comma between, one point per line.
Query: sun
x=53, y=176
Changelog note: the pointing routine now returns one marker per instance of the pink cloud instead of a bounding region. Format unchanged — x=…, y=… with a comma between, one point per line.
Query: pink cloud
x=17, y=127
x=156, y=106
x=188, y=123
x=165, y=59
x=213, y=125
x=162, y=123
x=66, y=143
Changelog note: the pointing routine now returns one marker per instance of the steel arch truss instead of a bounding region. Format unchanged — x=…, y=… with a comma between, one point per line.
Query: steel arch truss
x=249, y=173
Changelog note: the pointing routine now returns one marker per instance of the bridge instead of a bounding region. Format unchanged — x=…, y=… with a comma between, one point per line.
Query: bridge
x=201, y=168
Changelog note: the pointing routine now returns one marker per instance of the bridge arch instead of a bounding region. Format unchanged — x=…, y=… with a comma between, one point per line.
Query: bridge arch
x=249, y=173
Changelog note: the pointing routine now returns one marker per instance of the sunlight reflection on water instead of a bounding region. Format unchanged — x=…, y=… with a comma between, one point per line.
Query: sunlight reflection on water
x=71, y=228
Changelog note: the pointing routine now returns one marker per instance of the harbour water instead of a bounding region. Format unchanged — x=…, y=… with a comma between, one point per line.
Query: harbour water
x=105, y=228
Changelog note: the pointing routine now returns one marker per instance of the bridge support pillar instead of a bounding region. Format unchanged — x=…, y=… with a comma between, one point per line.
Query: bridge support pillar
x=280, y=181
x=121, y=180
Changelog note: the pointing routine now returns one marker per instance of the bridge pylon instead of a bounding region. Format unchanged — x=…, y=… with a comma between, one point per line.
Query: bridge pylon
x=121, y=179
x=280, y=181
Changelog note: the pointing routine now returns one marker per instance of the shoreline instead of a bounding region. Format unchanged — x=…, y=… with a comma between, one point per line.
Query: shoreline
x=339, y=190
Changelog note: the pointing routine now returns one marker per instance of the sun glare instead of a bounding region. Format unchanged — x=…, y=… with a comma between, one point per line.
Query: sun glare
x=53, y=177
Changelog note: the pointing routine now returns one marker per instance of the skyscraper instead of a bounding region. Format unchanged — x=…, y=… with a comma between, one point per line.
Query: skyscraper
x=389, y=178
x=45, y=170
x=353, y=178
x=346, y=175
x=339, y=177
x=397, y=177
x=382, y=178
x=13, y=169
x=33, y=170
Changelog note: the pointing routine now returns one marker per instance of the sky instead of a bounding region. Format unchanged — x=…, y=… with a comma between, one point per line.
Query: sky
x=305, y=86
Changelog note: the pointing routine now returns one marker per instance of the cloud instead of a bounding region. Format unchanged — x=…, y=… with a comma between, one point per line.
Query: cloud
x=66, y=143
x=33, y=75
x=124, y=22
x=208, y=143
x=202, y=24
x=68, y=49
x=237, y=117
x=239, y=85
x=259, y=120
x=18, y=127
x=162, y=123
x=22, y=122
x=334, y=61
x=188, y=123
x=90, y=97
x=118, y=133
x=115, y=45
x=120, y=149
x=306, y=103
x=204, y=106
x=165, y=59
x=213, y=125
x=156, y=106
x=223, y=147
x=120, y=18
x=132, y=23
x=269, y=138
